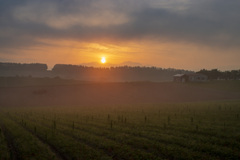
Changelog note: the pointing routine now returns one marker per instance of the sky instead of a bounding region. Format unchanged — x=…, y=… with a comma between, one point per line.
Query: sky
x=181, y=34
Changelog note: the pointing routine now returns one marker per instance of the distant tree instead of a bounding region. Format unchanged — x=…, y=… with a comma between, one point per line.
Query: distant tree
x=216, y=74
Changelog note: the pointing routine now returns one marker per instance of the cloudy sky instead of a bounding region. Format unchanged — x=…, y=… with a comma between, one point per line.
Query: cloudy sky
x=183, y=34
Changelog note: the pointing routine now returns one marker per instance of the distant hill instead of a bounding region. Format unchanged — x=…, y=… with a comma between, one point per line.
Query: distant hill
x=130, y=63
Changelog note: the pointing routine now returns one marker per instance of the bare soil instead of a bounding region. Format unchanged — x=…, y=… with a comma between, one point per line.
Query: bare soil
x=111, y=94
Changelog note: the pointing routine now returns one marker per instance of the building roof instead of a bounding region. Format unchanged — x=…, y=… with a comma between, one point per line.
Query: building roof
x=189, y=74
x=179, y=75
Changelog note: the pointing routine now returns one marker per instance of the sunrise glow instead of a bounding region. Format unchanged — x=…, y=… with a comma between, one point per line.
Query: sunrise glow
x=118, y=31
x=103, y=60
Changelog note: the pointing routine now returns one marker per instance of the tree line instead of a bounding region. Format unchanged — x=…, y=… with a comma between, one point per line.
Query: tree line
x=120, y=73
x=23, y=67
x=68, y=71
x=216, y=74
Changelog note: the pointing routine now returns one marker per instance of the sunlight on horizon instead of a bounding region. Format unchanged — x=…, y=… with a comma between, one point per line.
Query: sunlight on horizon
x=103, y=60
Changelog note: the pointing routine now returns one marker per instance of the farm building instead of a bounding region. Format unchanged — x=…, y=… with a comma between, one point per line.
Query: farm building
x=194, y=77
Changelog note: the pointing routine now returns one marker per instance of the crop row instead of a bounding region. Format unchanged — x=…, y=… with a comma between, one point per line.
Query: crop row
x=183, y=132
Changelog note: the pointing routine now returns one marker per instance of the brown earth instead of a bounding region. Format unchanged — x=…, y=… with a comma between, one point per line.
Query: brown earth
x=110, y=93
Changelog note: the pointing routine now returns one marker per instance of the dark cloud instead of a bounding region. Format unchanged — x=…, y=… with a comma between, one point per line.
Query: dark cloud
x=162, y=24
x=214, y=22
x=208, y=22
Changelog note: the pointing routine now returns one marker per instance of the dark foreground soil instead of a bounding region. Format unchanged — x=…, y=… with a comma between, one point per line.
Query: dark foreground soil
x=111, y=93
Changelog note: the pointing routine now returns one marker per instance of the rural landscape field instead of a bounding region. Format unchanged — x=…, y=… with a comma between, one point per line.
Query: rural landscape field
x=120, y=121
x=119, y=80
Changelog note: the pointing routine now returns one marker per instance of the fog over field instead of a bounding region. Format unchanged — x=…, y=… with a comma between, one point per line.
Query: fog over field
x=101, y=93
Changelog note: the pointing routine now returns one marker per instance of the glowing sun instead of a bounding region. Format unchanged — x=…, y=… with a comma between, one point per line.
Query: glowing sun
x=103, y=60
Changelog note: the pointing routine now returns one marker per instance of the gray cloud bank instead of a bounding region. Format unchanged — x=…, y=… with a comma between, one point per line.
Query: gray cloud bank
x=208, y=22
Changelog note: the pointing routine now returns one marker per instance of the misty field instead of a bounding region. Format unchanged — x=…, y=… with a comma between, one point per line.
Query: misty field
x=205, y=130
